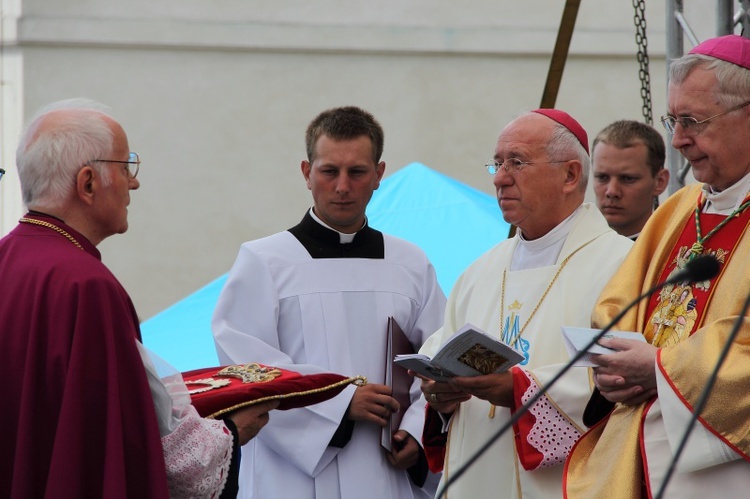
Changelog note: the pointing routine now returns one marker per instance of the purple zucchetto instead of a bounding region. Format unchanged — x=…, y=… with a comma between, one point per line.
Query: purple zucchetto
x=730, y=48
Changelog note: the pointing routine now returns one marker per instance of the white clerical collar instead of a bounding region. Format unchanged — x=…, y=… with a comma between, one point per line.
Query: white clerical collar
x=543, y=251
x=343, y=238
x=726, y=201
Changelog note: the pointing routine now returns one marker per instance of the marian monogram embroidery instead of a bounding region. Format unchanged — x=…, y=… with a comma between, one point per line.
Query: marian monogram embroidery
x=512, y=331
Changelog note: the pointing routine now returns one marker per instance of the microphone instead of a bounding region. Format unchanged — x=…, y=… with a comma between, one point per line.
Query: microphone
x=701, y=404
x=700, y=268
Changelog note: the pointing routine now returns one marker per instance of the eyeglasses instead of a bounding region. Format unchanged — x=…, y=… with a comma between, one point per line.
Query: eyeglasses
x=692, y=126
x=133, y=162
x=512, y=165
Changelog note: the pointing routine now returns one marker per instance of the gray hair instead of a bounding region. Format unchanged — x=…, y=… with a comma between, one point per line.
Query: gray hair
x=48, y=158
x=563, y=145
x=733, y=80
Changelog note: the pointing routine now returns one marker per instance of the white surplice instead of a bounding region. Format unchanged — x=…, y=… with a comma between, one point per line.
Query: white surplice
x=284, y=308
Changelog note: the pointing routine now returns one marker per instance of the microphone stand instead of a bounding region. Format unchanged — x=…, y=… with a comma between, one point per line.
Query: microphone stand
x=701, y=404
x=685, y=276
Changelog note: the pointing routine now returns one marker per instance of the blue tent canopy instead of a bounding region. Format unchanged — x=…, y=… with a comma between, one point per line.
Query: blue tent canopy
x=452, y=222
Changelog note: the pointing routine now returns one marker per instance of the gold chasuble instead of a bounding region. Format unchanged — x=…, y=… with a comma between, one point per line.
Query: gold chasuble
x=608, y=460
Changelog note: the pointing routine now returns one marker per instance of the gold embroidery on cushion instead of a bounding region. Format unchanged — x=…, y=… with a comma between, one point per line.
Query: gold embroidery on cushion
x=212, y=384
x=251, y=373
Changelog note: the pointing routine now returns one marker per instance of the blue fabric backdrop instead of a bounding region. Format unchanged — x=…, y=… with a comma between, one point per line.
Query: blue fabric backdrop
x=452, y=222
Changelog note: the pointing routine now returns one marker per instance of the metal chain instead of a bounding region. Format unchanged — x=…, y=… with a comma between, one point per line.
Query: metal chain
x=643, y=73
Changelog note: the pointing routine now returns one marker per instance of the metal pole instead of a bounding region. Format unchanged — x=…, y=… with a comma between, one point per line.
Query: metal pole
x=743, y=17
x=674, y=50
x=724, y=17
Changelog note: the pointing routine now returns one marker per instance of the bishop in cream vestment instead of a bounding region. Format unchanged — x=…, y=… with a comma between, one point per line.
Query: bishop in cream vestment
x=527, y=308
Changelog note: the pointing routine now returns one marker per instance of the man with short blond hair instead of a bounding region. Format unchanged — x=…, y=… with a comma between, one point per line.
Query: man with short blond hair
x=627, y=161
x=317, y=297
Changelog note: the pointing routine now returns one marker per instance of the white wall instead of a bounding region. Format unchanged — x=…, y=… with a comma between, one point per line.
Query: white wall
x=215, y=97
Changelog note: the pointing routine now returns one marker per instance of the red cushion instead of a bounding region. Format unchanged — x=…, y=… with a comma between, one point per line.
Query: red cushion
x=260, y=383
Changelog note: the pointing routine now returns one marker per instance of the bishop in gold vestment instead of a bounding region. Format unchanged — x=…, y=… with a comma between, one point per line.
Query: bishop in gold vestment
x=629, y=453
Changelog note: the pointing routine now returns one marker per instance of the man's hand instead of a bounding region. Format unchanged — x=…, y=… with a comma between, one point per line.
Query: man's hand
x=628, y=375
x=496, y=389
x=249, y=420
x=372, y=403
x=442, y=397
x=405, y=453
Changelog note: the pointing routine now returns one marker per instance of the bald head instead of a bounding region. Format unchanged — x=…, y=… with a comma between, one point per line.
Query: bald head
x=59, y=141
x=61, y=121
x=560, y=142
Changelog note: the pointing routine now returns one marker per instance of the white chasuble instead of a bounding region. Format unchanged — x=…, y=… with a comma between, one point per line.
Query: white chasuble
x=590, y=255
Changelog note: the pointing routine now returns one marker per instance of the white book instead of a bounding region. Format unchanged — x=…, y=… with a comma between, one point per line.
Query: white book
x=576, y=339
x=469, y=352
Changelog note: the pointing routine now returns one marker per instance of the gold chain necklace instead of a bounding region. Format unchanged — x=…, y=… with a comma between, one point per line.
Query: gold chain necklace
x=54, y=227
x=544, y=295
x=533, y=312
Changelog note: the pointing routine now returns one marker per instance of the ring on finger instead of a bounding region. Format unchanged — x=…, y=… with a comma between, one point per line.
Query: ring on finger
x=433, y=397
